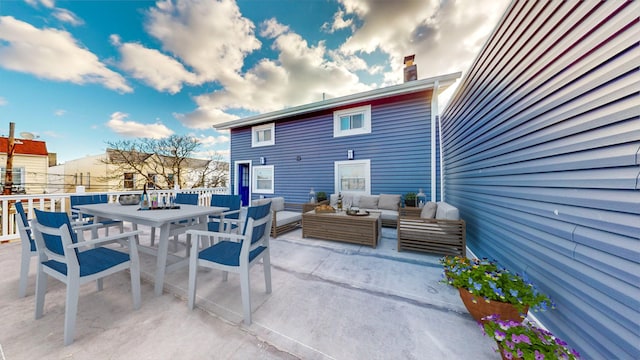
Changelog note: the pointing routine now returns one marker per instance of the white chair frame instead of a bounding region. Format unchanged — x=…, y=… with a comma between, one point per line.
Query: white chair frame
x=73, y=279
x=242, y=269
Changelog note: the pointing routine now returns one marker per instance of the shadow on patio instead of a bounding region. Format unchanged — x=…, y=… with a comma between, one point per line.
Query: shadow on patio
x=330, y=301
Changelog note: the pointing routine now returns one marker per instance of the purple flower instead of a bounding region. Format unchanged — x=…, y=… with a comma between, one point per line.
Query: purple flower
x=515, y=338
x=507, y=354
x=525, y=339
x=499, y=335
x=539, y=355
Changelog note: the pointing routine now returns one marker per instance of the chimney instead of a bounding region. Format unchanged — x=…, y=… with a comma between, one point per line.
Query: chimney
x=410, y=69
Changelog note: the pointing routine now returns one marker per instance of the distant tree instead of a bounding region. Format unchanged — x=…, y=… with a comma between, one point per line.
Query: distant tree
x=169, y=159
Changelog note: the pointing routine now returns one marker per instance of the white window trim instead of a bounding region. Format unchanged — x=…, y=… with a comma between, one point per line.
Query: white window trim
x=366, y=163
x=254, y=138
x=366, y=126
x=254, y=179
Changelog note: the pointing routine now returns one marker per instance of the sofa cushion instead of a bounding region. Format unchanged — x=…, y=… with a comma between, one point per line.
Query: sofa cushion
x=429, y=210
x=447, y=212
x=258, y=202
x=368, y=202
x=287, y=217
x=388, y=202
x=391, y=215
x=277, y=203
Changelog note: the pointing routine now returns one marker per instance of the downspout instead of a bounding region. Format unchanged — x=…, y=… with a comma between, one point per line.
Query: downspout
x=434, y=111
x=441, y=159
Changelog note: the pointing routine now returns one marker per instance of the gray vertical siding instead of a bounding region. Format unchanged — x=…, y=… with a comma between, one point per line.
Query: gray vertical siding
x=398, y=147
x=542, y=157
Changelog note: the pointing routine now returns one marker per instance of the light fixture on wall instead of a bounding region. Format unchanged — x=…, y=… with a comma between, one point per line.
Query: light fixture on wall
x=350, y=154
x=263, y=160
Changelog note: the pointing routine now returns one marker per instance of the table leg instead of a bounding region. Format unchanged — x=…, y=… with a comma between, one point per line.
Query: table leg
x=161, y=264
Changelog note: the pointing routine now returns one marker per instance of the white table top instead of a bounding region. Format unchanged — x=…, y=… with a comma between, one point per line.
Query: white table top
x=154, y=218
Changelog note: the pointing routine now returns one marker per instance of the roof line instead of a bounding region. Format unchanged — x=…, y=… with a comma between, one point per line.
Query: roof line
x=444, y=81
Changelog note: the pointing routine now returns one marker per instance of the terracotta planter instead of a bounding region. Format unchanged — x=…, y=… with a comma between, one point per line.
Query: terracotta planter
x=481, y=308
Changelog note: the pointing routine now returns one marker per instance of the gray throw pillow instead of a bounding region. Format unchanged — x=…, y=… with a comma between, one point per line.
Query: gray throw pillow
x=389, y=202
x=429, y=210
x=368, y=202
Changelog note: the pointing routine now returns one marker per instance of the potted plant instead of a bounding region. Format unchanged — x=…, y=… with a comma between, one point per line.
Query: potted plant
x=321, y=196
x=410, y=199
x=486, y=288
x=524, y=340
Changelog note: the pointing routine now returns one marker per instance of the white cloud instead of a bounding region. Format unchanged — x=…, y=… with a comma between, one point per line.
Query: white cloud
x=52, y=54
x=122, y=127
x=339, y=22
x=159, y=71
x=3, y=101
x=46, y=3
x=445, y=35
x=60, y=112
x=209, y=141
x=204, y=117
x=212, y=37
x=67, y=16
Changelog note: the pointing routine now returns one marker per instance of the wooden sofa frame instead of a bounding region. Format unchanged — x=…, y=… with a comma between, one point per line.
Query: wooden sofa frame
x=278, y=230
x=446, y=237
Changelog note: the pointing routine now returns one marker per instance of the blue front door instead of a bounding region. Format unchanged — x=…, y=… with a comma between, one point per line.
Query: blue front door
x=243, y=183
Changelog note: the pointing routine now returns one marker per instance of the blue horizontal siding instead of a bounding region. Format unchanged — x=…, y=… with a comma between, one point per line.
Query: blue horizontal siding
x=542, y=157
x=398, y=147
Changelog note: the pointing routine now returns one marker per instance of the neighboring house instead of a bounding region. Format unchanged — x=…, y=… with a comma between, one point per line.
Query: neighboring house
x=542, y=158
x=30, y=163
x=109, y=172
x=379, y=141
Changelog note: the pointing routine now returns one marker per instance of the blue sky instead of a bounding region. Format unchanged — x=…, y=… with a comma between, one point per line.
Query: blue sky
x=80, y=73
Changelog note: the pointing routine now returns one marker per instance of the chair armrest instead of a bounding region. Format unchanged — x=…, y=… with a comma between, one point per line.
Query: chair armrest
x=85, y=226
x=215, y=234
x=104, y=239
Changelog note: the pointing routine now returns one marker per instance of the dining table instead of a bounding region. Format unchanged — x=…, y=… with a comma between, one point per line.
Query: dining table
x=161, y=218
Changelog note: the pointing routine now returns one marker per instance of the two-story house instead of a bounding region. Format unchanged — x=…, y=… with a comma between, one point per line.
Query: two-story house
x=30, y=163
x=379, y=141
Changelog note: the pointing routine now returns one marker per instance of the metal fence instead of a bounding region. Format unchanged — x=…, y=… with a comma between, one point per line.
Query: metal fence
x=60, y=202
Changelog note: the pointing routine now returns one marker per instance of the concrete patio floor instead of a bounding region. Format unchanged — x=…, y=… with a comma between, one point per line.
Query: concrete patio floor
x=330, y=301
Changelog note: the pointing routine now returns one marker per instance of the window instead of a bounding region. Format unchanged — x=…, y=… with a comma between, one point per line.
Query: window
x=353, y=176
x=128, y=181
x=153, y=180
x=263, y=179
x=170, y=180
x=17, y=177
x=263, y=135
x=352, y=121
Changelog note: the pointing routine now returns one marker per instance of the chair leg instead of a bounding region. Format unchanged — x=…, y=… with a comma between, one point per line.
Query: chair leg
x=71, y=309
x=246, y=295
x=135, y=283
x=266, y=262
x=193, y=270
x=41, y=290
x=24, y=273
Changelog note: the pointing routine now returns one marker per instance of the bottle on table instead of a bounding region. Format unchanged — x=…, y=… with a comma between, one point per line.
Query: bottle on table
x=339, y=201
x=144, y=199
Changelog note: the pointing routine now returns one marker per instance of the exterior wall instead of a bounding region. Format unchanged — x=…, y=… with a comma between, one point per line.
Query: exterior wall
x=89, y=172
x=398, y=147
x=35, y=167
x=542, y=157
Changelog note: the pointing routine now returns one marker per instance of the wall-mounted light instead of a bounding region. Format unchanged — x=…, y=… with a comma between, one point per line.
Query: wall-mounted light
x=350, y=154
x=263, y=160
x=298, y=158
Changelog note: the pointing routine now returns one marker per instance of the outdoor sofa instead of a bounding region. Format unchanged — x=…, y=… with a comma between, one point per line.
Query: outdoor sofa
x=439, y=229
x=285, y=216
x=387, y=204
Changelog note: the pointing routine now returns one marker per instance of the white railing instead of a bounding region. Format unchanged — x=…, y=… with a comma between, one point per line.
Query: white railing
x=60, y=202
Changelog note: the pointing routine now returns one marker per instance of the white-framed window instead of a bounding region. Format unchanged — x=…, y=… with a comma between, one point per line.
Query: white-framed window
x=352, y=121
x=128, y=180
x=262, y=179
x=17, y=176
x=353, y=176
x=263, y=135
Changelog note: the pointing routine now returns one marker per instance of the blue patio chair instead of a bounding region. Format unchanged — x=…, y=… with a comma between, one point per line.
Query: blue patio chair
x=77, y=215
x=230, y=218
x=179, y=227
x=235, y=253
x=60, y=257
x=29, y=245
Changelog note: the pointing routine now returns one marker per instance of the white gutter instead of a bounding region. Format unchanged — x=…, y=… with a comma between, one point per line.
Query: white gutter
x=401, y=89
x=441, y=159
x=434, y=111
